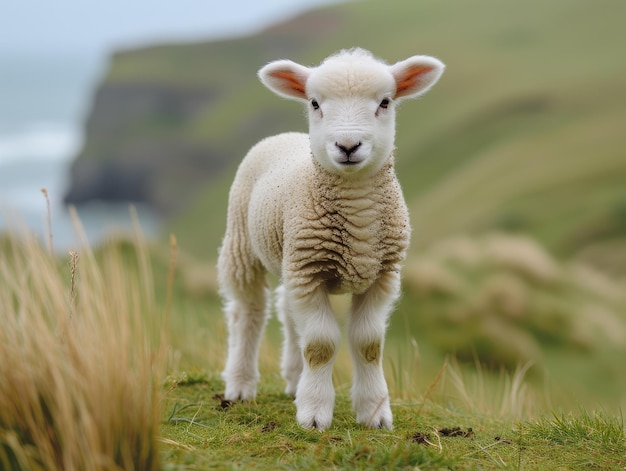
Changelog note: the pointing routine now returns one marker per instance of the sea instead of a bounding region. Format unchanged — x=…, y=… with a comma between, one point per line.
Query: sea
x=44, y=102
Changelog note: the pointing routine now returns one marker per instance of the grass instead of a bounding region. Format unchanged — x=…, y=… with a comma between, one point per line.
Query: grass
x=81, y=371
x=504, y=301
x=583, y=440
x=205, y=432
x=98, y=349
x=489, y=334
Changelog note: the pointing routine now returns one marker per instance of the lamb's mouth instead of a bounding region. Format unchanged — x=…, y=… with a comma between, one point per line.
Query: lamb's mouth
x=349, y=162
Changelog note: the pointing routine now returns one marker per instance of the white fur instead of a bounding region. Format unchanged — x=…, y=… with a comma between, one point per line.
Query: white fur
x=325, y=213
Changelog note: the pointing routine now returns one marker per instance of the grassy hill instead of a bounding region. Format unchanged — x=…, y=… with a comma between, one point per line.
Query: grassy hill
x=524, y=131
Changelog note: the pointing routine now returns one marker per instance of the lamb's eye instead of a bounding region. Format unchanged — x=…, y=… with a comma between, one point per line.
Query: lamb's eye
x=385, y=103
x=315, y=104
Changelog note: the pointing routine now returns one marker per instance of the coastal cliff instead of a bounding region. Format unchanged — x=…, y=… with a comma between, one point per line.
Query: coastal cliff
x=167, y=120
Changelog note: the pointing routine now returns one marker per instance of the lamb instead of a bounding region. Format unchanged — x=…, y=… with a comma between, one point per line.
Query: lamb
x=325, y=213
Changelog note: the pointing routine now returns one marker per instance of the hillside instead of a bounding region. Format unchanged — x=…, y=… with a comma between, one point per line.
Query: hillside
x=523, y=133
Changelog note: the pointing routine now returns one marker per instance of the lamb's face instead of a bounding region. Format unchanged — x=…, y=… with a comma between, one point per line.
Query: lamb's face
x=351, y=99
x=351, y=112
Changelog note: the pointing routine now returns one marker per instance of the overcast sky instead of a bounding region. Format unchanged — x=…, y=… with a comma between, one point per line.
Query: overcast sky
x=96, y=26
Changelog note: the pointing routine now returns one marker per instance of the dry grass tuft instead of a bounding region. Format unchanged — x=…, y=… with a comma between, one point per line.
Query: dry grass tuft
x=503, y=298
x=80, y=371
x=510, y=398
x=522, y=254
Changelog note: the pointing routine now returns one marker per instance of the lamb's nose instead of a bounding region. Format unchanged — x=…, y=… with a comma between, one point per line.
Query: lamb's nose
x=347, y=151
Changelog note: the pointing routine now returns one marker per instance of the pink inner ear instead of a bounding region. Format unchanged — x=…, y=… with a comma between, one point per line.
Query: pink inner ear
x=409, y=82
x=291, y=81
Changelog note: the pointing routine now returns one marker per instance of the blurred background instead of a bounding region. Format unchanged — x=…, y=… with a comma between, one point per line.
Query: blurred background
x=54, y=59
x=513, y=166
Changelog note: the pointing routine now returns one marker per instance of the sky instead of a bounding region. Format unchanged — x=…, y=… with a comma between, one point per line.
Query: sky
x=53, y=27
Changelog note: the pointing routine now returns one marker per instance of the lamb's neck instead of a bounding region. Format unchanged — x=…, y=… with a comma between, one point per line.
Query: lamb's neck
x=360, y=199
x=354, y=182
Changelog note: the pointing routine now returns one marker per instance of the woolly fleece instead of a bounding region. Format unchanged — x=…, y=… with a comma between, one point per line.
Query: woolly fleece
x=308, y=226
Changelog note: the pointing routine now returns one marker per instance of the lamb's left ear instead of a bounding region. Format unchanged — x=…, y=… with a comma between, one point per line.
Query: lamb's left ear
x=415, y=75
x=286, y=78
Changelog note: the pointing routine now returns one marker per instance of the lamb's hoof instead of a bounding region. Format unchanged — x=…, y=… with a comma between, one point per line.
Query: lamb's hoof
x=240, y=391
x=315, y=419
x=315, y=423
x=382, y=423
x=378, y=417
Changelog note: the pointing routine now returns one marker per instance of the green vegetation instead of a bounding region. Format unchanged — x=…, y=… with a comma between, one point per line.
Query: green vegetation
x=205, y=432
x=505, y=301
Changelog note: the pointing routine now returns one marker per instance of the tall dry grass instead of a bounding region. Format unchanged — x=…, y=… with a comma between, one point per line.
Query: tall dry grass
x=82, y=358
x=504, y=298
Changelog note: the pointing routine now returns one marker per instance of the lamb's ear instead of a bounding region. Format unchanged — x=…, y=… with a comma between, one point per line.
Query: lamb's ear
x=415, y=75
x=286, y=78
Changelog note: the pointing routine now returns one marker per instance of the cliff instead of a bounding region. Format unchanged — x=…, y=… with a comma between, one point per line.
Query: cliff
x=168, y=119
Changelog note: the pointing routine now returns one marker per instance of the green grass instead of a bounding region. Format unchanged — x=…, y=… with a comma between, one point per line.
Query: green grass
x=582, y=440
x=202, y=431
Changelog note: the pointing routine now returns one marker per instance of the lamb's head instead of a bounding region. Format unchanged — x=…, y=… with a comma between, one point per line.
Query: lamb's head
x=351, y=99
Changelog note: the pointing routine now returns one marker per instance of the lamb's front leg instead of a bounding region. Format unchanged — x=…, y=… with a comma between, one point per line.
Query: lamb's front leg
x=366, y=334
x=319, y=336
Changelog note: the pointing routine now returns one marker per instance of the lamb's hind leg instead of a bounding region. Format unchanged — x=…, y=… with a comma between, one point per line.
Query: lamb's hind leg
x=366, y=334
x=291, y=362
x=246, y=314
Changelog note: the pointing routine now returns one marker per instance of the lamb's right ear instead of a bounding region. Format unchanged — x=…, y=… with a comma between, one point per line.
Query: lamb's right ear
x=286, y=78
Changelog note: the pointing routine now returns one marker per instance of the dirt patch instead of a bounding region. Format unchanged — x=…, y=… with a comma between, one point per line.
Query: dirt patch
x=421, y=438
x=456, y=432
x=424, y=438
x=223, y=403
x=269, y=427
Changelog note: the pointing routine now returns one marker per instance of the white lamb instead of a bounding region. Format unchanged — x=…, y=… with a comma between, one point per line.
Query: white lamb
x=325, y=213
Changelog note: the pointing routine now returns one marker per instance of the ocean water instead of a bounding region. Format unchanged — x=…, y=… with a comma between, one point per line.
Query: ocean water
x=43, y=104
